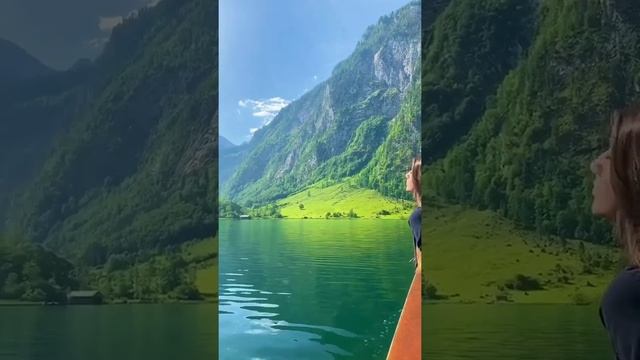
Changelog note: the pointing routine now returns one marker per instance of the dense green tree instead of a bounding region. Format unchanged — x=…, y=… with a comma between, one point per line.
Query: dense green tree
x=32, y=273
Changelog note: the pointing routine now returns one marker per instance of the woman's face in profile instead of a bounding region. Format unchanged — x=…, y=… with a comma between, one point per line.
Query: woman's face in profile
x=409, y=181
x=603, y=197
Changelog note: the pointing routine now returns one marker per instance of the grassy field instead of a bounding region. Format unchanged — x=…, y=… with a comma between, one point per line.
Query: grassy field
x=317, y=201
x=203, y=256
x=470, y=256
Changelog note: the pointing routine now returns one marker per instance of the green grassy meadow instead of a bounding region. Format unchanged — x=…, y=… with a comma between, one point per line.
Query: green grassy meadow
x=203, y=256
x=472, y=256
x=319, y=200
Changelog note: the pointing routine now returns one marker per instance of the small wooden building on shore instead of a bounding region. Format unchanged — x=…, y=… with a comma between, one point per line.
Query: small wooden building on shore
x=84, y=297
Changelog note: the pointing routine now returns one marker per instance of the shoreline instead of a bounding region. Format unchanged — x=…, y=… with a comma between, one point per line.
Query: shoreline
x=10, y=303
x=432, y=302
x=403, y=217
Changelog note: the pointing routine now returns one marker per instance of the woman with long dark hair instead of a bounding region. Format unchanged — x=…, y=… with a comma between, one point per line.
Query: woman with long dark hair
x=407, y=340
x=616, y=197
x=415, y=220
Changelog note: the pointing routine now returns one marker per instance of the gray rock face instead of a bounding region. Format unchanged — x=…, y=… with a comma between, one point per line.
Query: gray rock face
x=201, y=152
x=395, y=63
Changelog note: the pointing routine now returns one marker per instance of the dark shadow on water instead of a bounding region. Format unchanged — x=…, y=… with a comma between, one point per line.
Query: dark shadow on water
x=513, y=331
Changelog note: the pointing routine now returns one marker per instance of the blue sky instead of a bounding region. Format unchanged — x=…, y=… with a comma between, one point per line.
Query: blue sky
x=273, y=51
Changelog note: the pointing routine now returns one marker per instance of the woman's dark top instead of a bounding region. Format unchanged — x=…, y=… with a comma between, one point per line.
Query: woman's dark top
x=620, y=314
x=415, y=222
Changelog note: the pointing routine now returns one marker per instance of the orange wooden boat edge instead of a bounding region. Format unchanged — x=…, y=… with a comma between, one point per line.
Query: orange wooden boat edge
x=407, y=340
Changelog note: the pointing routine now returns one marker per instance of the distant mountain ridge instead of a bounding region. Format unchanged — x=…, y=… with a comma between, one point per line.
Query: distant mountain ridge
x=230, y=156
x=16, y=64
x=224, y=143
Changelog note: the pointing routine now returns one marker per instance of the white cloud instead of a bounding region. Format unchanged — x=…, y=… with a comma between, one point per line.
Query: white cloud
x=262, y=113
x=107, y=24
x=132, y=14
x=264, y=109
x=315, y=77
x=146, y=3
